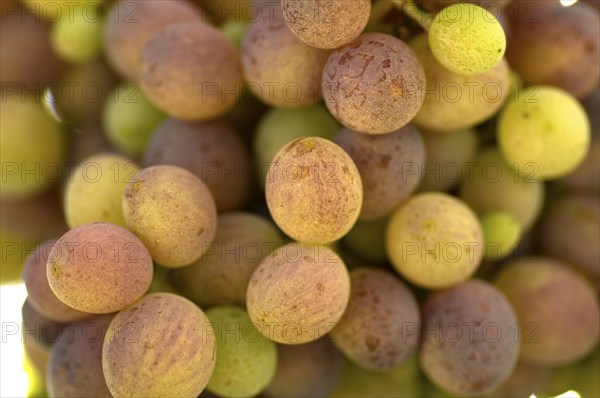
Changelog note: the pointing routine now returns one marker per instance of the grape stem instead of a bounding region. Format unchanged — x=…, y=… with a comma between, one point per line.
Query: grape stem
x=409, y=7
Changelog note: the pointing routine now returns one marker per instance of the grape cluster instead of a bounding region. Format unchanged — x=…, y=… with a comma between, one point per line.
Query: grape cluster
x=302, y=198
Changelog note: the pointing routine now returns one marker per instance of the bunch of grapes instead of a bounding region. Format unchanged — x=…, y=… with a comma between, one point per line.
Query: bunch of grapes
x=303, y=198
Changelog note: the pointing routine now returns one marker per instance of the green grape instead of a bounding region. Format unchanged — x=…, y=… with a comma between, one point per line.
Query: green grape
x=77, y=36
x=246, y=361
x=467, y=39
x=33, y=148
x=490, y=185
x=501, y=232
x=95, y=189
x=129, y=119
x=14, y=248
x=367, y=240
x=280, y=126
x=545, y=127
x=434, y=240
x=447, y=157
x=558, y=310
x=235, y=31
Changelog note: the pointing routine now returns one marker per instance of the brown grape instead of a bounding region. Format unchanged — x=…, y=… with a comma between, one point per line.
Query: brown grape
x=191, y=71
x=279, y=68
x=559, y=315
x=40, y=295
x=298, y=293
x=390, y=167
x=99, y=268
x=468, y=346
x=173, y=213
x=381, y=326
x=161, y=345
x=313, y=190
x=374, y=84
x=326, y=24
x=132, y=23
x=211, y=150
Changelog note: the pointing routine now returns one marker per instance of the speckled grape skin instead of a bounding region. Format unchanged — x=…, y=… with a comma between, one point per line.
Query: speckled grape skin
x=221, y=276
x=173, y=213
x=434, y=240
x=566, y=38
x=558, y=310
x=246, y=360
x=461, y=352
x=212, y=151
x=40, y=295
x=381, y=326
x=306, y=370
x=75, y=365
x=501, y=189
x=298, y=293
x=570, y=231
x=191, y=71
x=545, y=126
x=390, y=167
x=467, y=39
x=455, y=102
x=161, y=345
x=99, y=268
x=314, y=191
x=328, y=23
x=280, y=69
x=373, y=85
x=132, y=23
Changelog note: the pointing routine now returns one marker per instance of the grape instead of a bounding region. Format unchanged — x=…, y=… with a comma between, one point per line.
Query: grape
x=191, y=71
x=246, y=361
x=43, y=333
x=374, y=84
x=501, y=233
x=20, y=67
x=381, y=326
x=221, y=276
x=298, y=293
x=554, y=126
x=326, y=24
x=129, y=119
x=447, y=156
x=570, y=230
x=456, y=102
x=280, y=126
x=211, y=150
x=40, y=295
x=467, y=39
x=306, y=370
x=469, y=348
x=367, y=240
x=281, y=70
x=313, y=190
x=390, y=167
x=491, y=185
x=99, y=268
x=77, y=37
x=130, y=24
x=75, y=365
x=557, y=308
x=566, y=38
x=161, y=345
x=173, y=213
x=83, y=92
x=357, y=382
x=586, y=177
x=95, y=189
x=495, y=6
x=434, y=240
x=33, y=149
